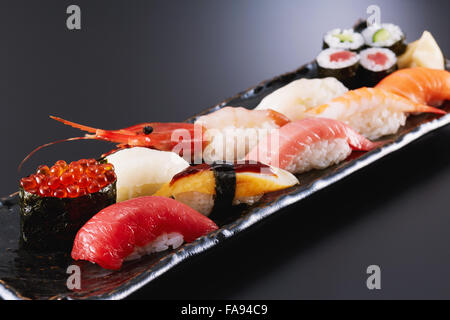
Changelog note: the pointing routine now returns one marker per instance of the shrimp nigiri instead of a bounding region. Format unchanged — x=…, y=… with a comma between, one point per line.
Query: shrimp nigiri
x=421, y=85
x=226, y=134
x=312, y=143
x=373, y=112
x=232, y=132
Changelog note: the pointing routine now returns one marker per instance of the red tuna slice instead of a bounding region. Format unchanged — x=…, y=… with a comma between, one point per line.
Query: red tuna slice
x=113, y=233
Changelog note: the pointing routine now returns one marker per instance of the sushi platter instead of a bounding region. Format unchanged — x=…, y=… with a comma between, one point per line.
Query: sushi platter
x=153, y=203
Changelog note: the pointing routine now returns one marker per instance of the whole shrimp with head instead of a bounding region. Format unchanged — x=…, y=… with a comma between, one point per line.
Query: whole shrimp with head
x=224, y=135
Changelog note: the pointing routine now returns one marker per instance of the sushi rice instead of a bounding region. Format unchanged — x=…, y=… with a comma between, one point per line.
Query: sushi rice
x=324, y=61
x=162, y=243
x=321, y=155
x=371, y=65
x=230, y=143
x=396, y=35
x=343, y=39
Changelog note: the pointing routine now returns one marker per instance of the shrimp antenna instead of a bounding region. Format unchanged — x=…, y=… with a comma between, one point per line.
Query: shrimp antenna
x=75, y=125
x=47, y=145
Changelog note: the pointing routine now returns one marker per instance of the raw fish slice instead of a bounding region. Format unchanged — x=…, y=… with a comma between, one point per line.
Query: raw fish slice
x=239, y=117
x=127, y=228
x=372, y=112
x=313, y=143
x=232, y=132
x=421, y=85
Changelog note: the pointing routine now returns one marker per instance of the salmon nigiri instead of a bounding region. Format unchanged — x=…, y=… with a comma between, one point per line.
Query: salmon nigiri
x=421, y=85
x=129, y=229
x=373, y=112
x=312, y=143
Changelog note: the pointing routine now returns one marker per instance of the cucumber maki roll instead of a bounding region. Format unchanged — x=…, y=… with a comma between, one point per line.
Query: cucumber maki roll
x=387, y=36
x=56, y=202
x=340, y=64
x=343, y=39
x=376, y=64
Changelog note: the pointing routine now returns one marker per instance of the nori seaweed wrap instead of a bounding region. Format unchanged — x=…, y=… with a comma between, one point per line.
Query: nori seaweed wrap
x=340, y=64
x=48, y=223
x=375, y=65
x=387, y=36
x=346, y=39
x=55, y=203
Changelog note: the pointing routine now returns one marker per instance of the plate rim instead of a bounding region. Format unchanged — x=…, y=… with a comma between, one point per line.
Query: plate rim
x=257, y=214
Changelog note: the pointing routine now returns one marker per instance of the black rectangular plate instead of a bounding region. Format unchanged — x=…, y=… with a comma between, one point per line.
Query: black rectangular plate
x=27, y=275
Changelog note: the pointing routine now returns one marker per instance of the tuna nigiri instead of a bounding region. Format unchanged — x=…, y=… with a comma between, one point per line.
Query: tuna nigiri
x=219, y=186
x=313, y=143
x=421, y=85
x=132, y=228
x=373, y=112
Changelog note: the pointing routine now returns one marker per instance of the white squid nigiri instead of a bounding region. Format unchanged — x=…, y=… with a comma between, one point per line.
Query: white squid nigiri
x=232, y=132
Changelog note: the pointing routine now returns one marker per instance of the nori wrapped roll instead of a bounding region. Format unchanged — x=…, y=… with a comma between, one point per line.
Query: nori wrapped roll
x=387, y=36
x=375, y=65
x=340, y=64
x=55, y=203
x=346, y=39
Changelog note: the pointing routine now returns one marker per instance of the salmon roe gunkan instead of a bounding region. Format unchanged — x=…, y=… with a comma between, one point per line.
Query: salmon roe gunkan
x=72, y=180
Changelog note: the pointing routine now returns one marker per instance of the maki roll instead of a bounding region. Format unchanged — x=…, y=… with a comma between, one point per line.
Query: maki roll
x=56, y=202
x=340, y=64
x=346, y=39
x=386, y=35
x=213, y=189
x=375, y=65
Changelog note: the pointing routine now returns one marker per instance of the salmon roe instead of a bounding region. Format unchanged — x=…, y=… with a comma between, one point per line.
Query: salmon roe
x=72, y=180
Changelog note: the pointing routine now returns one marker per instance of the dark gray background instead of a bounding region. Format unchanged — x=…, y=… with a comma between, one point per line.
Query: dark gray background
x=142, y=61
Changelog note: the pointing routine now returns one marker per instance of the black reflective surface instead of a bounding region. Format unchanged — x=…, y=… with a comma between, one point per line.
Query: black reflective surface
x=26, y=274
x=166, y=60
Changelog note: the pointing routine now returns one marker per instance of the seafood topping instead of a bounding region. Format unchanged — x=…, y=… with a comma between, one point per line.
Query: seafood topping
x=244, y=166
x=72, y=180
x=378, y=58
x=341, y=56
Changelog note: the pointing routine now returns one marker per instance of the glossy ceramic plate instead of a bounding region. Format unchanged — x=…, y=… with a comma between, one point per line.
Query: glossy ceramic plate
x=30, y=275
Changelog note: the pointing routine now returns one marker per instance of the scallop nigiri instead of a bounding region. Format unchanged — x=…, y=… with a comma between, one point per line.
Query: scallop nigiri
x=219, y=186
x=231, y=132
x=301, y=95
x=312, y=143
x=136, y=227
x=372, y=112
x=421, y=85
